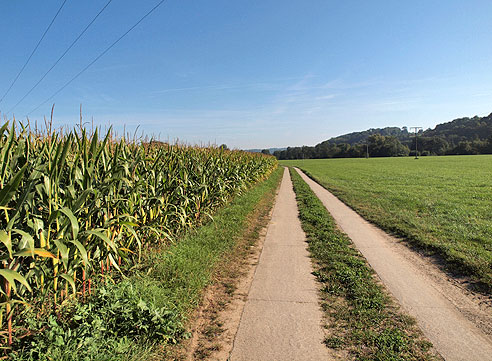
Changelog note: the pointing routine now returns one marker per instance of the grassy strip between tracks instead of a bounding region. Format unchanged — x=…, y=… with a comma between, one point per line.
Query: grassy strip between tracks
x=363, y=322
x=141, y=317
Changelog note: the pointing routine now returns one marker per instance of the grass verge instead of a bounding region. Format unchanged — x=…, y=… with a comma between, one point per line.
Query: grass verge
x=363, y=320
x=140, y=317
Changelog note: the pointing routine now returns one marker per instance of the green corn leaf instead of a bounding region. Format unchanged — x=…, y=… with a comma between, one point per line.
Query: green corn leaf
x=70, y=281
x=81, y=199
x=64, y=252
x=63, y=157
x=7, y=241
x=127, y=223
x=54, y=215
x=93, y=146
x=8, y=192
x=82, y=251
x=26, y=192
x=11, y=276
x=26, y=242
x=73, y=221
x=6, y=151
x=132, y=231
x=100, y=234
x=54, y=159
x=113, y=262
x=4, y=128
x=47, y=186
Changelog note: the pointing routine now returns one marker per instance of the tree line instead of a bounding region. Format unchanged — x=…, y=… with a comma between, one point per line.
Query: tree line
x=460, y=136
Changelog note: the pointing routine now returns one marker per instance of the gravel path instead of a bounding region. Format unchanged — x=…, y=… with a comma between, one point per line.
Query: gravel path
x=281, y=319
x=457, y=325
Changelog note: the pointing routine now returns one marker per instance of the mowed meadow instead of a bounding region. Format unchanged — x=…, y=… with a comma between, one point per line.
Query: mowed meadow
x=79, y=212
x=440, y=204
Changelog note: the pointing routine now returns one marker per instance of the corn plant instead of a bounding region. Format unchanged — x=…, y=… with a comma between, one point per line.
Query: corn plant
x=75, y=207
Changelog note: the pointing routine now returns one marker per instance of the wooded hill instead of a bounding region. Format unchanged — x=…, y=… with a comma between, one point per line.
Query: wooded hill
x=460, y=136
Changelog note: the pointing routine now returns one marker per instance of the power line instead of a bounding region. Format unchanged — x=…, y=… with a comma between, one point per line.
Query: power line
x=61, y=56
x=98, y=57
x=32, y=53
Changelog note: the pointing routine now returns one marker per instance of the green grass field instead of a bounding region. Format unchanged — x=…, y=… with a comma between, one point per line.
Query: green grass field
x=442, y=204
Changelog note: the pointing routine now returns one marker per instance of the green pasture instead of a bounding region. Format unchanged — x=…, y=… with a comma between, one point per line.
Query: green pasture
x=440, y=204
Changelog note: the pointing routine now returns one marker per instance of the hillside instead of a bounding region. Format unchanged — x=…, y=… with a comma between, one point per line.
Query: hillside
x=463, y=129
x=460, y=136
x=270, y=150
x=361, y=137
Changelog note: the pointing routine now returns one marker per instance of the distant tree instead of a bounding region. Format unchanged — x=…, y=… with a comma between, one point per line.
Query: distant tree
x=433, y=145
x=224, y=147
x=389, y=146
x=266, y=151
x=463, y=147
x=488, y=146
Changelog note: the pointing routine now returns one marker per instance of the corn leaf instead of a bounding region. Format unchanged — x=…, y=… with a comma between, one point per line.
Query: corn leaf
x=11, y=276
x=82, y=251
x=73, y=221
x=8, y=192
x=69, y=280
x=7, y=241
x=26, y=242
x=36, y=251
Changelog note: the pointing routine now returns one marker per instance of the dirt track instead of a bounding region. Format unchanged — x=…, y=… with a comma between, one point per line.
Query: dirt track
x=281, y=319
x=457, y=325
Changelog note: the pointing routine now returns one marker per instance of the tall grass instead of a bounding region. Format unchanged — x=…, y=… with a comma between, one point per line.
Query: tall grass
x=78, y=207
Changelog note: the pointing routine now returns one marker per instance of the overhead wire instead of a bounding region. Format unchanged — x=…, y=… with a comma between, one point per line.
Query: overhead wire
x=62, y=56
x=98, y=57
x=34, y=50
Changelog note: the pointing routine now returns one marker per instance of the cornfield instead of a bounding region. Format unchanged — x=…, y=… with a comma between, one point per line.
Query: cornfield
x=76, y=207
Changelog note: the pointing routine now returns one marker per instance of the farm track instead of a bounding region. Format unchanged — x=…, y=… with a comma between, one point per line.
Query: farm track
x=281, y=319
x=455, y=321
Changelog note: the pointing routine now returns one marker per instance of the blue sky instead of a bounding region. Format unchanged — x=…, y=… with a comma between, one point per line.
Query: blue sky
x=252, y=74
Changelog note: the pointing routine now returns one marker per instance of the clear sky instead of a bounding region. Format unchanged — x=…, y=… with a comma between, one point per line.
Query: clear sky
x=252, y=74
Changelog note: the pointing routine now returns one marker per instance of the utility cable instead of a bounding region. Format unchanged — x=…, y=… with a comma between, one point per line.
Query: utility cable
x=32, y=53
x=98, y=57
x=62, y=56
